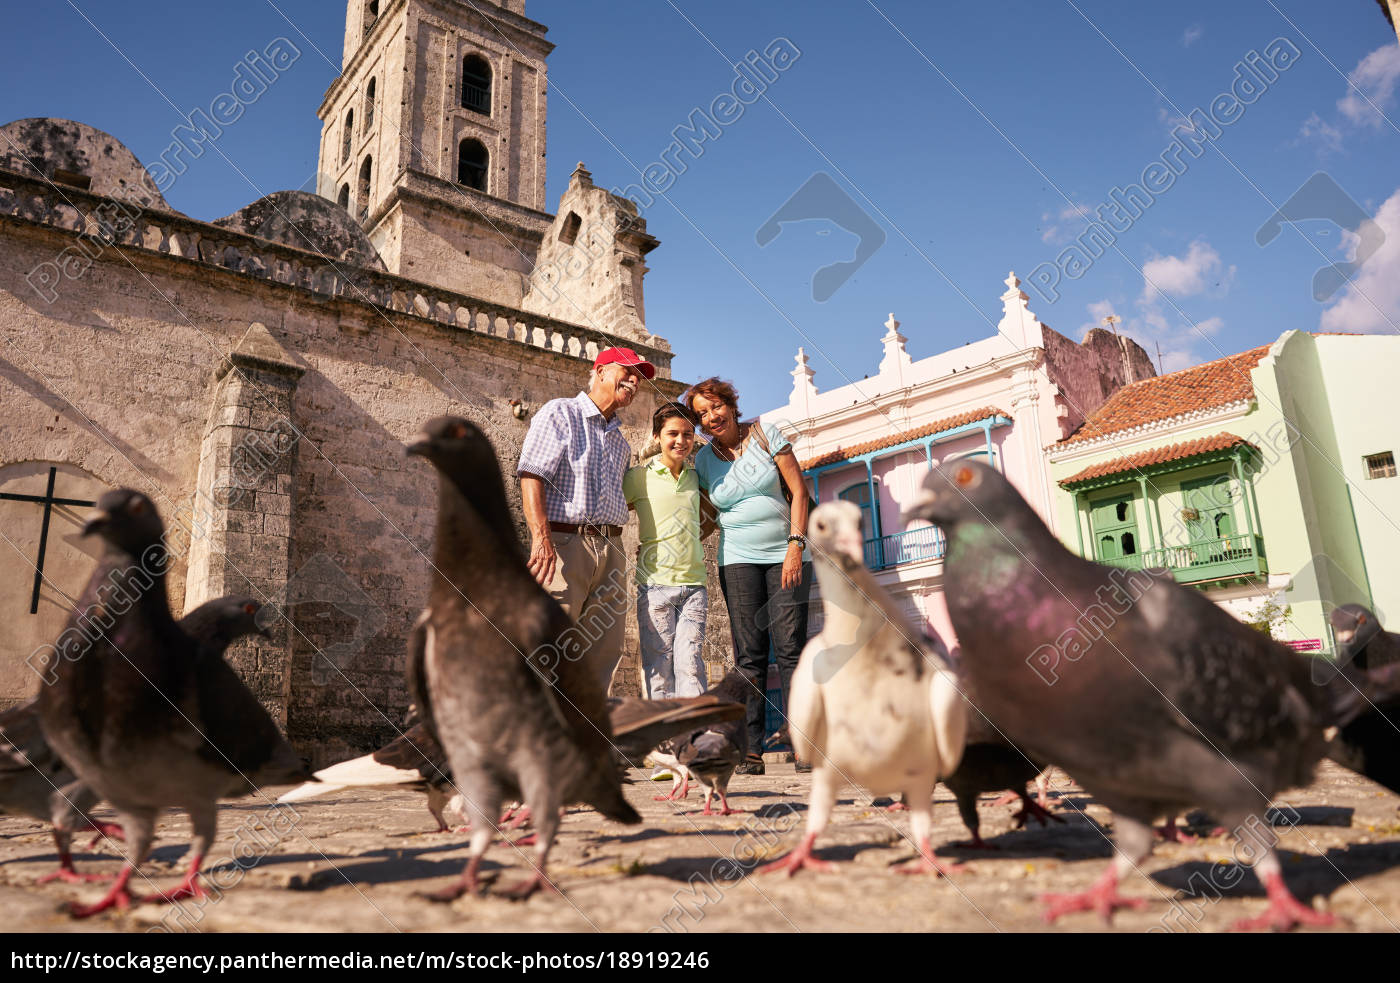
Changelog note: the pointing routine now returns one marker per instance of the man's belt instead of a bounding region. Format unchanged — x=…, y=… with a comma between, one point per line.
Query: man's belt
x=602, y=532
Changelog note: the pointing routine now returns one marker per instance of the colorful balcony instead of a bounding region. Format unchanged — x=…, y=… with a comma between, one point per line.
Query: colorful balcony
x=910, y=546
x=1199, y=562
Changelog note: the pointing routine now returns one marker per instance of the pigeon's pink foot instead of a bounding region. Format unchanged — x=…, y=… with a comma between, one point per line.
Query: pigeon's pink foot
x=1030, y=809
x=798, y=859
x=529, y=839
x=896, y=807
x=109, y=830
x=523, y=890
x=117, y=897
x=1006, y=798
x=68, y=875
x=927, y=863
x=521, y=818
x=1285, y=911
x=1103, y=897
x=466, y=884
x=677, y=792
x=188, y=888
x=724, y=809
x=1170, y=832
x=976, y=843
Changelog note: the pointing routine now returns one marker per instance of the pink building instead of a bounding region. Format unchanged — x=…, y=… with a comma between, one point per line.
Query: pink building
x=1003, y=399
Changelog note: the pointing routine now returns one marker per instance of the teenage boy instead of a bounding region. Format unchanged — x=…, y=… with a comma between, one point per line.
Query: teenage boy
x=671, y=597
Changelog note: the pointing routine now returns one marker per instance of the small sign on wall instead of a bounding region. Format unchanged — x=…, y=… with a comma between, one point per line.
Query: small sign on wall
x=1304, y=644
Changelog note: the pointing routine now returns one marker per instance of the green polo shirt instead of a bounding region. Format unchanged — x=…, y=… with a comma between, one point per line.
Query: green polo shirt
x=668, y=513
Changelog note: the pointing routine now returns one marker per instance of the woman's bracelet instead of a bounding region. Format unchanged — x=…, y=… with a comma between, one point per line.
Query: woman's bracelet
x=799, y=540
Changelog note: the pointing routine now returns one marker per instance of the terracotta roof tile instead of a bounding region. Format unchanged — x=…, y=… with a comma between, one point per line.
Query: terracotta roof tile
x=1157, y=455
x=938, y=426
x=1201, y=387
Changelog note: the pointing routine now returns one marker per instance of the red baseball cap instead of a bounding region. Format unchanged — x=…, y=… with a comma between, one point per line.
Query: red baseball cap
x=625, y=356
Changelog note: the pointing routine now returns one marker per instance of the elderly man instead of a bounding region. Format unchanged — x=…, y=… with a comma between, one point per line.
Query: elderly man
x=571, y=469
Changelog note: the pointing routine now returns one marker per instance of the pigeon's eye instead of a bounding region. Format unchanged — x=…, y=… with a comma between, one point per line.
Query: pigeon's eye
x=136, y=507
x=963, y=477
x=250, y=608
x=821, y=526
x=458, y=431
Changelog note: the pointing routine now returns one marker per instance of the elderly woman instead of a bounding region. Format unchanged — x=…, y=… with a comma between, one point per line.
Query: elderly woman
x=762, y=572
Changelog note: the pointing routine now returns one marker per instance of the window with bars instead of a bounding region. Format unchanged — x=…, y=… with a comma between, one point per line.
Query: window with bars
x=1380, y=465
x=476, y=84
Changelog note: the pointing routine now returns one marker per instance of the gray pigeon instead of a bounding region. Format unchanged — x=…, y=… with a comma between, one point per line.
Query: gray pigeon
x=872, y=703
x=146, y=716
x=1151, y=696
x=35, y=782
x=416, y=759
x=990, y=763
x=514, y=706
x=710, y=752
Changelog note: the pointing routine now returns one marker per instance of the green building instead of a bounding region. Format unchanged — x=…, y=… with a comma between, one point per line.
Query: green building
x=1266, y=479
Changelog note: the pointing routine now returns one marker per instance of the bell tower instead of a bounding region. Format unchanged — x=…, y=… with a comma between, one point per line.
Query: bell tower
x=433, y=138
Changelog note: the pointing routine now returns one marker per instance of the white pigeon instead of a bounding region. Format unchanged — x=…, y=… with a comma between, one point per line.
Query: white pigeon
x=873, y=701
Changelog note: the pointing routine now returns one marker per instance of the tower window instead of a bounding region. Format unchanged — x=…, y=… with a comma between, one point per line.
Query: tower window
x=371, y=15
x=369, y=105
x=476, y=84
x=366, y=170
x=569, y=232
x=348, y=136
x=471, y=164
x=1380, y=465
x=344, y=200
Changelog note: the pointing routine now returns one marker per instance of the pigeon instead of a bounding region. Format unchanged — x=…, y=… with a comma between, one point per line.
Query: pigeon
x=990, y=763
x=147, y=716
x=416, y=759
x=711, y=752
x=1370, y=744
x=517, y=714
x=35, y=782
x=1155, y=699
x=1363, y=642
x=871, y=702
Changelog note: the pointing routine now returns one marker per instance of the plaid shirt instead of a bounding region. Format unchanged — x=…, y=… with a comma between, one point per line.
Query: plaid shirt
x=582, y=458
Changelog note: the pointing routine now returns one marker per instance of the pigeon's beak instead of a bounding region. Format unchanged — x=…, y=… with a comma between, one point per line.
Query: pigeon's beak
x=1345, y=635
x=418, y=446
x=95, y=521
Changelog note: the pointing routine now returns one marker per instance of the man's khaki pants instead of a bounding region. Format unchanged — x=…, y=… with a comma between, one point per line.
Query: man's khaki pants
x=590, y=583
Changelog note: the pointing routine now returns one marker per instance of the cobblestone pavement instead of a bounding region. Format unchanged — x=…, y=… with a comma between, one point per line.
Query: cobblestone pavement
x=357, y=861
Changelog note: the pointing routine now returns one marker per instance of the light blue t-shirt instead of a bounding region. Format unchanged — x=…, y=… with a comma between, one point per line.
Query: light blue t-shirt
x=754, y=518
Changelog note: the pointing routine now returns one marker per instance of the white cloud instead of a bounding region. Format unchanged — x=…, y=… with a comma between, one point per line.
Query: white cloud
x=1192, y=35
x=1184, y=276
x=1328, y=136
x=1064, y=225
x=1372, y=86
x=1370, y=303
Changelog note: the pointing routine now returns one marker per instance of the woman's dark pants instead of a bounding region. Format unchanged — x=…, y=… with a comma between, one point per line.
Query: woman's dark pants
x=760, y=611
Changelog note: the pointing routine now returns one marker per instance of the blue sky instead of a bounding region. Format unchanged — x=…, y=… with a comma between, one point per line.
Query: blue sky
x=975, y=137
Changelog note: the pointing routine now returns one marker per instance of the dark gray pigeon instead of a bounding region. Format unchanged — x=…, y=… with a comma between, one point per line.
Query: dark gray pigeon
x=512, y=702
x=1361, y=639
x=144, y=714
x=1151, y=696
x=709, y=752
x=35, y=782
x=989, y=764
x=1370, y=744
x=416, y=759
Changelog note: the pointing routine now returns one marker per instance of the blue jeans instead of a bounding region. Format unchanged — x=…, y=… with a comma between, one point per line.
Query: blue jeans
x=762, y=615
x=671, y=628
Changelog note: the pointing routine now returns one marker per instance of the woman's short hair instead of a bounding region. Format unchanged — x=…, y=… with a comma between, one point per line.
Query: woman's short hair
x=716, y=390
x=669, y=411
